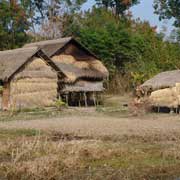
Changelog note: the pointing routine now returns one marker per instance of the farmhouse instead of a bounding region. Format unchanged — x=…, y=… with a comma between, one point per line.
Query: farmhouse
x=163, y=89
x=84, y=72
x=28, y=79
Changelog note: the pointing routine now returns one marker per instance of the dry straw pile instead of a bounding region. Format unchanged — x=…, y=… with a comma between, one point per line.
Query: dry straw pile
x=168, y=97
x=28, y=89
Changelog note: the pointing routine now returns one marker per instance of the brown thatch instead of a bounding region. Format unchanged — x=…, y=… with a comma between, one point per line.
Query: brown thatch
x=50, y=46
x=74, y=73
x=12, y=60
x=27, y=91
x=84, y=86
x=88, y=67
x=163, y=80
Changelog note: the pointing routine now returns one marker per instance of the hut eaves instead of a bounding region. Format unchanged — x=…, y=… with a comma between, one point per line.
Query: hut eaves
x=50, y=47
x=13, y=60
x=163, y=80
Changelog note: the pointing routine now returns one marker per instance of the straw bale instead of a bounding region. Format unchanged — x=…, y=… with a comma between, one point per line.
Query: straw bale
x=165, y=97
x=35, y=80
x=67, y=59
x=20, y=87
x=35, y=86
x=71, y=77
x=36, y=99
x=81, y=64
x=37, y=64
x=178, y=88
x=98, y=65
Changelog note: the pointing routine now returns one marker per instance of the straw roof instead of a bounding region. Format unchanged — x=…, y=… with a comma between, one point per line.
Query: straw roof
x=74, y=73
x=50, y=47
x=163, y=80
x=71, y=67
x=12, y=60
x=84, y=86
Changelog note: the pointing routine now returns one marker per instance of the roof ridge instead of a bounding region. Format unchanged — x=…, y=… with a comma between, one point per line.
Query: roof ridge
x=19, y=49
x=47, y=42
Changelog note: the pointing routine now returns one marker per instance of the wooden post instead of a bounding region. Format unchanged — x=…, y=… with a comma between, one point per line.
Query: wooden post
x=67, y=99
x=79, y=99
x=97, y=100
x=85, y=99
x=94, y=99
x=158, y=109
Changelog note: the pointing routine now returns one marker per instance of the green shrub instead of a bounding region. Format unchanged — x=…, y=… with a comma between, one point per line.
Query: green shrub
x=60, y=104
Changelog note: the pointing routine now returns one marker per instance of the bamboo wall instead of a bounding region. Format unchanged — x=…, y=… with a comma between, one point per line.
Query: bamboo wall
x=35, y=86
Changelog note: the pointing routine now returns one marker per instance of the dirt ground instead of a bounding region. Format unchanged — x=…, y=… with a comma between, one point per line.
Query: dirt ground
x=90, y=143
x=93, y=123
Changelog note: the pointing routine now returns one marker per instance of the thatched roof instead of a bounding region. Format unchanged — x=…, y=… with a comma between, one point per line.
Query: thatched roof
x=84, y=86
x=163, y=80
x=76, y=70
x=73, y=73
x=13, y=60
x=50, y=47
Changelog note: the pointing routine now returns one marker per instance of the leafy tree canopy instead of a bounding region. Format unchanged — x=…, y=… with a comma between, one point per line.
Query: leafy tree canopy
x=117, y=6
x=13, y=24
x=167, y=9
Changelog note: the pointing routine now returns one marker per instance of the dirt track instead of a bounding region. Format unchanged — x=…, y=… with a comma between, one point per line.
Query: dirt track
x=100, y=124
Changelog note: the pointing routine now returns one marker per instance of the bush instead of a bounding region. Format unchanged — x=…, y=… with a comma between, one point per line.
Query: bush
x=60, y=104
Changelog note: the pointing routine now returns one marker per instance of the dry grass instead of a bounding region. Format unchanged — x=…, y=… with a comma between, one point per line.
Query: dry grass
x=94, y=145
x=42, y=157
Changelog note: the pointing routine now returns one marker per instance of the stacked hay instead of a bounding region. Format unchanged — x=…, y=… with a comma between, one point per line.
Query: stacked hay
x=66, y=59
x=98, y=65
x=35, y=86
x=81, y=64
x=167, y=97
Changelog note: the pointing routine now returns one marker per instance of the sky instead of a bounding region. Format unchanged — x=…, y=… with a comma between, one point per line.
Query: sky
x=144, y=11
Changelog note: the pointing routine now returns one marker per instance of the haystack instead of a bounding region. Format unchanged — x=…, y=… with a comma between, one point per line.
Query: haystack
x=66, y=59
x=98, y=65
x=28, y=91
x=29, y=78
x=167, y=97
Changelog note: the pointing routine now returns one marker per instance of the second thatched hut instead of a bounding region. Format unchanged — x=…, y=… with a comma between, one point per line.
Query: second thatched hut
x=163, y=90
x=28, y=79
x=84, y=72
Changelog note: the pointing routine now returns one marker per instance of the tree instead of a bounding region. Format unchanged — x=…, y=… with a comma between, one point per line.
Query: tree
x=117, y=6
x=168, y=9
x=13, y=25
x=58, y=14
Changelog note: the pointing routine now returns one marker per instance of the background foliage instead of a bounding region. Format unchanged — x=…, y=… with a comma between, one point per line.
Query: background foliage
x=131, y=49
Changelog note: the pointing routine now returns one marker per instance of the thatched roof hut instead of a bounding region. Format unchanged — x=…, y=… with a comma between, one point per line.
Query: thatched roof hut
x=84, y=72
x=11, y=61
x=162, y=91
x=163, y=80
x=74, y=60
x=29, y=78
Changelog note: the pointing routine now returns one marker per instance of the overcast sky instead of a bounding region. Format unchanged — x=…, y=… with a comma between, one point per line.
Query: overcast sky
x=144, y=11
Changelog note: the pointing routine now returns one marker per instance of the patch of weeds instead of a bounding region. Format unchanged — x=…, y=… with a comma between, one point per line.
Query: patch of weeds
x=13, y=133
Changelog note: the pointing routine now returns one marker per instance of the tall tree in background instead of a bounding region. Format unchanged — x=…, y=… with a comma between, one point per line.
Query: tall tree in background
x=168, y=9
x=57, y=14
x=117, y=6
x=13, y=25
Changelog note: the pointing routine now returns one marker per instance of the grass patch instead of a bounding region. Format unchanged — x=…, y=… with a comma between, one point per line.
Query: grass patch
x=14, y=133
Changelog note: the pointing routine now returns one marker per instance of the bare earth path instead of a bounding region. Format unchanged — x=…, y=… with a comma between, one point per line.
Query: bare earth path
x=99, y=124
